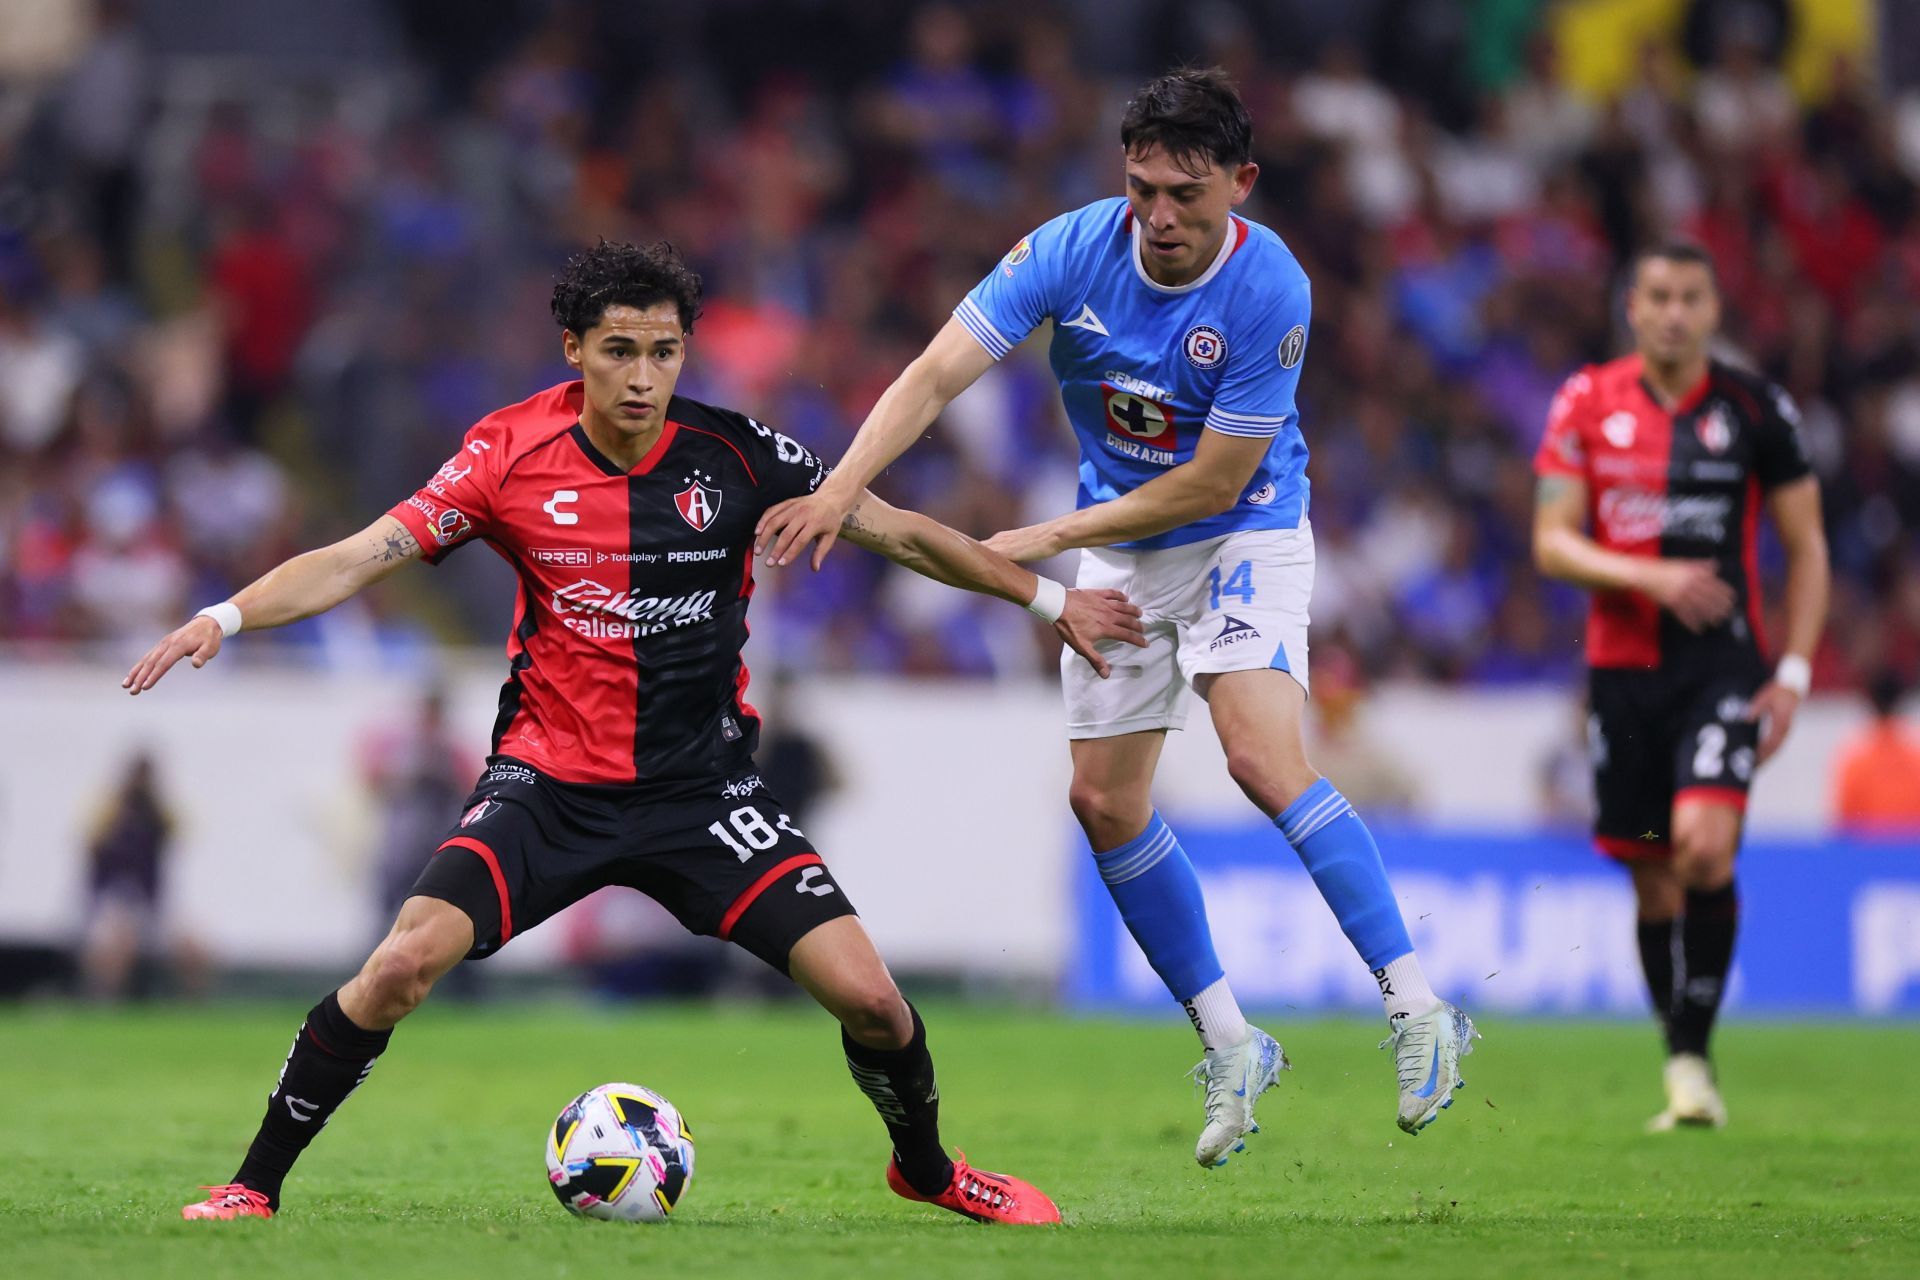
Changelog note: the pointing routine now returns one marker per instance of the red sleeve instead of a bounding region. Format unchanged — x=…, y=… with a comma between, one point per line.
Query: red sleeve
x=1563, y=450
x=457, y=504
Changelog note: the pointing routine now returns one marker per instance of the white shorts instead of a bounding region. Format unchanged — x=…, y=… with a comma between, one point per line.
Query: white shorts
x=1237, y=603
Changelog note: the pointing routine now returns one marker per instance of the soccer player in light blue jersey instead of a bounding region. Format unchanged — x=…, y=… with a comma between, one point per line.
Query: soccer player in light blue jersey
x=1178, y=333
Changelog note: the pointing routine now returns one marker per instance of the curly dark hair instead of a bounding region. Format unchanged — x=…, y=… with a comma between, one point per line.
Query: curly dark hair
x=617, y=274
x=1194, y=114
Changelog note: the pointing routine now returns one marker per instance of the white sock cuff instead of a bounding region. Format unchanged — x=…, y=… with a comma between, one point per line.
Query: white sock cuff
x=1403, y=986
x=1216, y=1016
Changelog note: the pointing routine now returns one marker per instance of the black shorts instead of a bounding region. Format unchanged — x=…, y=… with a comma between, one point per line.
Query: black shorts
x=1662, y=736
x=722, y=855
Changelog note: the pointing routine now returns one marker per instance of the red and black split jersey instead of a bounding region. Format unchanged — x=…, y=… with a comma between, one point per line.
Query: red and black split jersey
x=625, y=654
x=1686, y=483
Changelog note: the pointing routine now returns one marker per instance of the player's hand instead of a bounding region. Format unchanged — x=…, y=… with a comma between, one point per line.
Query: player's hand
x=1774, y=707
x=199, y=640
x=1093, y=616
x=785, y=530
x=1035, y=542
x=1692, y=591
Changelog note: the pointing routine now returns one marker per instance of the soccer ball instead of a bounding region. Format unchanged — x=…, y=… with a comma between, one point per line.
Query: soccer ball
x=620, y=1152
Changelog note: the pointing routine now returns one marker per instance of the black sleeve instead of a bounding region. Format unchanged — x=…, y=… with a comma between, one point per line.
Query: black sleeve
x=1780, y=455
x=784, y=467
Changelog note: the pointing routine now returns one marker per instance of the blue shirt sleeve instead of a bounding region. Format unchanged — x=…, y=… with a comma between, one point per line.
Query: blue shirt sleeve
x=1017, y=294
x=1255, y=395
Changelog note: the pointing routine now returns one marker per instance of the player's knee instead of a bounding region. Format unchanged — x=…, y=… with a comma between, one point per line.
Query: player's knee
x=1703, y=854
x=401, y=974
x=876, y=1016
x=1271, y=782
x=1108, y=816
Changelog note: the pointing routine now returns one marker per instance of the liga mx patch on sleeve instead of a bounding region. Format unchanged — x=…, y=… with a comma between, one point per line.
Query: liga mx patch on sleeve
x=1293, y=347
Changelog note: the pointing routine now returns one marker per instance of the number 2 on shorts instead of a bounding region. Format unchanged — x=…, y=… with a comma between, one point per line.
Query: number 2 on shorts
x=1239, y=584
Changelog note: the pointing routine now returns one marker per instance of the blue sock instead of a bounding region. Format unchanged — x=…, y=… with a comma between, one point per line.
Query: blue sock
x=1340, y=855
x=1158, y=894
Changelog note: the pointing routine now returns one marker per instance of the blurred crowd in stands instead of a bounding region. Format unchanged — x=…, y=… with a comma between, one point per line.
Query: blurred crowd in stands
x=248, y=302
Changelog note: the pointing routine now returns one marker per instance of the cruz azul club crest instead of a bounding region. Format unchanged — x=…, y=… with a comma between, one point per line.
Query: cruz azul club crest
x=698, y=503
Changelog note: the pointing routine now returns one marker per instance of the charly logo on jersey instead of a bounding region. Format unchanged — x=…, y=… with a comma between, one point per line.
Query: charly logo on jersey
x=1293, y=347
x=1715, y=429
x=699, y=502
x=1204, y=346
x=1618, y=428
x=555, y=505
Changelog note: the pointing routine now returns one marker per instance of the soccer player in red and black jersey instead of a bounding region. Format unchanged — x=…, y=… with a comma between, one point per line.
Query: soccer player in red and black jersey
x=622, y=754
x=1653, y=473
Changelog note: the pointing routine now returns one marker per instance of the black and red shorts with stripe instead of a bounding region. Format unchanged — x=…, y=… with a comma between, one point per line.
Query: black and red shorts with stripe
x=1667, y=737
x=721, y=854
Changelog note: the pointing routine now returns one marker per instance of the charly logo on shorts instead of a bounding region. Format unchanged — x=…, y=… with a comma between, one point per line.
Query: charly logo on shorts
x=1293, y=346
x=1205, y=346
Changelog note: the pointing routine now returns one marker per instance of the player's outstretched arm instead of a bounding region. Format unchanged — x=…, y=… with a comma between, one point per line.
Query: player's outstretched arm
x=300, y=588
x=952, y=362
x=1212, y=481
x=1083, y=619
x=1692, y=590
x=1795, y=509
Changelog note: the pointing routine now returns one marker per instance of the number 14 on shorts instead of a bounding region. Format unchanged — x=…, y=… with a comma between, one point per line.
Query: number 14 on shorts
x=1238, y=584
x=755, y=833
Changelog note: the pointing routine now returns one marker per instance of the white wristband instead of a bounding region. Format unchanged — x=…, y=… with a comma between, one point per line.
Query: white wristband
x=226, y=613
x=1049, y=600
x=1795, y=673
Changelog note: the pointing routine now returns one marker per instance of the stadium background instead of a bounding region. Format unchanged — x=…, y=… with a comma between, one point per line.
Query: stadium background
x=262, y=263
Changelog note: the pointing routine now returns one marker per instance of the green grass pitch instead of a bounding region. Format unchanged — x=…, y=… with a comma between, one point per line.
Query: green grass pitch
x=110, y=1120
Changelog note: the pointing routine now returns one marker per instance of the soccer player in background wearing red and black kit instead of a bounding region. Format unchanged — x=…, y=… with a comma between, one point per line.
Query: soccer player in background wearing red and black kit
x=1653, y=472
x=622, y=753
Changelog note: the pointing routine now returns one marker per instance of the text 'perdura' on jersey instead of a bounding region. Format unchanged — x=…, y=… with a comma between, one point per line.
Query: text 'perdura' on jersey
x=633, y=584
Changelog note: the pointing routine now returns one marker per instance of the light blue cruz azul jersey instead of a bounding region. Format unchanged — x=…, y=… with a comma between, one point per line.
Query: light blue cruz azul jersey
x=1144, y=368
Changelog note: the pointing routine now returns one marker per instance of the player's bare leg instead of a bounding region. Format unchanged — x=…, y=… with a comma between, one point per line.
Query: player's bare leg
x=335, y=1049
x=886, y=1047
x=1158, y=896
x=1706, y=835
x=1257, y=714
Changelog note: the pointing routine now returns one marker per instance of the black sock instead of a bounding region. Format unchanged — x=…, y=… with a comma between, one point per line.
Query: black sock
x=329, y=1059
x=1656, y=962
x=901, y=1086
x=1706, y=949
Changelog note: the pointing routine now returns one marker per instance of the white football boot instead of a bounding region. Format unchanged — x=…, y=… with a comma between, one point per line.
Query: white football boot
x=1234, y=1078
x=1426, y=1057
x=1692, y=1097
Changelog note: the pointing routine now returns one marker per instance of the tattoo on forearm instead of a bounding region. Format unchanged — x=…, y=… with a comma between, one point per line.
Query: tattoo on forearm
x=1553, y=488
x=399, y=545
x=851, y=521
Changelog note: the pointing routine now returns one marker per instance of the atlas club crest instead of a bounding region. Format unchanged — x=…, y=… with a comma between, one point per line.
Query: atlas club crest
x=698, y=503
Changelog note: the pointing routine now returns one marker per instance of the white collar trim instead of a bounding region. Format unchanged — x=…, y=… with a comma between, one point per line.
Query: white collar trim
x=1219, y=260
